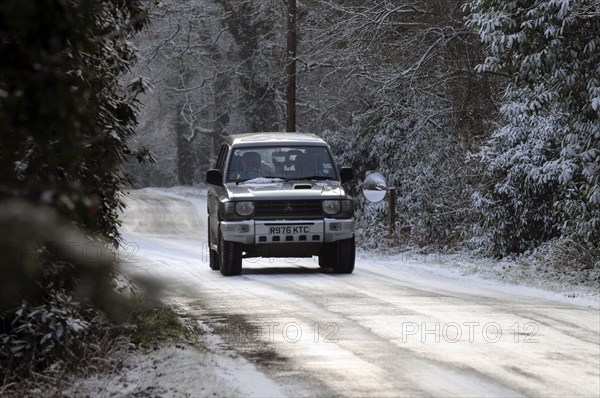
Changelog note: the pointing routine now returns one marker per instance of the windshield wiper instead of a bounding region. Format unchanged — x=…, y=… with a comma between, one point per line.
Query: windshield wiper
x=308, y=178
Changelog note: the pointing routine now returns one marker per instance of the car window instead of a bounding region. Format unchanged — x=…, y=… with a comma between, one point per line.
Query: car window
x=286, y=162
x=222, y=157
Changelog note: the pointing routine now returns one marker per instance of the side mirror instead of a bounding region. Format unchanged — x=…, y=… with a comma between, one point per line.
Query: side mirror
x=346, y=174
x=214, y=177
x=374, y=187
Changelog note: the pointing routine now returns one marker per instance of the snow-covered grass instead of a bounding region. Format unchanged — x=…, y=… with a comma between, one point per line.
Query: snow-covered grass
x=191, y=369
x=518, y=276
x=180, y=370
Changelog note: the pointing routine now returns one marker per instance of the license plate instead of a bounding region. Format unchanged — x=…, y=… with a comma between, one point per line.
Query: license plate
x=289, y=230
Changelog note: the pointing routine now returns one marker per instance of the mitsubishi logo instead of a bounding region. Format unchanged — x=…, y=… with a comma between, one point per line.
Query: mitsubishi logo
x=288, y=207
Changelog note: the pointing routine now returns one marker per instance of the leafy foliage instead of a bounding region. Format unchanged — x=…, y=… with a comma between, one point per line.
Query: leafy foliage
x=64, y=115
x=65, y=118
x=43, y=333
x=433, y=202
x=518, y=206
x=544, y=162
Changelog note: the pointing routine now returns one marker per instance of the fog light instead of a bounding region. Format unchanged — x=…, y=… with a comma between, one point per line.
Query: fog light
x=243, y=229
x=335, y=227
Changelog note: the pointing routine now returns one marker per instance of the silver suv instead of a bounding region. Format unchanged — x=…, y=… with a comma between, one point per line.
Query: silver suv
x=279, y=195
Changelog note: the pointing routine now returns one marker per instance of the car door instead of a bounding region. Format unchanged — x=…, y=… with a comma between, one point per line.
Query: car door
x=214, y=195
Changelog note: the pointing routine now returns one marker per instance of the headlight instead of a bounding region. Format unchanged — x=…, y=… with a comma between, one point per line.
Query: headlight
x=244, y=208
x=331, y=207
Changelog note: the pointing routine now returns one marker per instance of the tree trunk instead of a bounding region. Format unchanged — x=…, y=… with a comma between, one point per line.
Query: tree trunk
x=290, y=119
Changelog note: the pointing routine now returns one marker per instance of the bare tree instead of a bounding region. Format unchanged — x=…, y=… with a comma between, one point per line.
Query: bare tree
x=356, y=55
x=217, y=67
x=393, y=84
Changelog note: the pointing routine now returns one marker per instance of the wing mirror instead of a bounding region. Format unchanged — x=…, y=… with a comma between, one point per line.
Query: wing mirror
x=214, y=177
x=346, y=174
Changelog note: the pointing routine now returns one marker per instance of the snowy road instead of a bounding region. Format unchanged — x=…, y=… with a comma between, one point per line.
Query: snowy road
x=383, y=331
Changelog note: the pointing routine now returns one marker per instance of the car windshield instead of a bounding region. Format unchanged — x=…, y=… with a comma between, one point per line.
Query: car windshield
x=271, y=164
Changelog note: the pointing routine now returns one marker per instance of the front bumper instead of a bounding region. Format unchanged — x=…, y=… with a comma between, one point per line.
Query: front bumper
x=281, y=231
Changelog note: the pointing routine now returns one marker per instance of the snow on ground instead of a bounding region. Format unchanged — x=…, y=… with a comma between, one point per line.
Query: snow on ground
x=180, y=370
x=505, y=276
x=195, y=195
x=531, y=278
x=202, y=369
x=371, y=312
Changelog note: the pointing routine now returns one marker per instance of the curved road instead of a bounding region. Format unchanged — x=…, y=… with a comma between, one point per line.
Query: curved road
x=381, y=331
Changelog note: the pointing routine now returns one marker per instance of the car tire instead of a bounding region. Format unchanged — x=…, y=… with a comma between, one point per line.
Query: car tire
x=213, y=257
x=230, y=257
x=326, y=258
x=345, y=252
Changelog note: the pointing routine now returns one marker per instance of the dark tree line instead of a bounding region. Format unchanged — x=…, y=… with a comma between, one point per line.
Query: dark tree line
x=64, y=122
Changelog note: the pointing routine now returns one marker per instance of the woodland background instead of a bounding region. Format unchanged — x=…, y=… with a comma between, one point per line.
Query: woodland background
x=483, y=114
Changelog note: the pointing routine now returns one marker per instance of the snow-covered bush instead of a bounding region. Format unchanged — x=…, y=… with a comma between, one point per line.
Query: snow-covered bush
x=544, y=160
x=38, y=335
x=432, y=184
x=518, y=201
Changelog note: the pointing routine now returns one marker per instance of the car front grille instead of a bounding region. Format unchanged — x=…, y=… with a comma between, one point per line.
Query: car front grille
x=288, y=208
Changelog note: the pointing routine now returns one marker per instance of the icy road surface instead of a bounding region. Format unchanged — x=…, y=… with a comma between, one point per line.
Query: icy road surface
x=383, y=331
